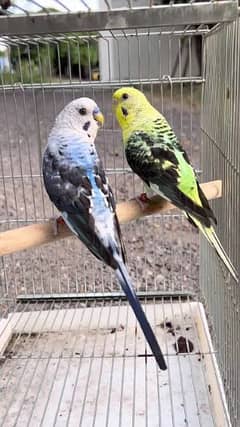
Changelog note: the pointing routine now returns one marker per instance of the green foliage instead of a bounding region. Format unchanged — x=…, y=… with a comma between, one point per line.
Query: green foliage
x=28, y=73
x=80, y=51
x=40, y=62
x=31, y=64
x=43, y=61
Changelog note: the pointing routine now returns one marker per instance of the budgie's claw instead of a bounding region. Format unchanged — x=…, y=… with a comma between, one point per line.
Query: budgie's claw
x=142, y=200
x=56, y=221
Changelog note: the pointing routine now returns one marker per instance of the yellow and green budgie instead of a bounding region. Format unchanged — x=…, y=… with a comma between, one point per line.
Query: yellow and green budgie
x=156, y=156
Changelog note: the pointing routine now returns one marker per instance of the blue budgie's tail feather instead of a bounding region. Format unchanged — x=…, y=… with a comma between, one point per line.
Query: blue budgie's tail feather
x=127, y=287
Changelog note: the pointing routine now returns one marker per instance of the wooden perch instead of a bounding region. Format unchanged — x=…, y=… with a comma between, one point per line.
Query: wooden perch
x=38, y=234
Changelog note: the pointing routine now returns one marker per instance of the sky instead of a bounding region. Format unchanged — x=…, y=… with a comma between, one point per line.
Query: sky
x=74, y=5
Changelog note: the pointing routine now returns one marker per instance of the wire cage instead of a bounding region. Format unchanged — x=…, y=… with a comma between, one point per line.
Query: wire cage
x=70, y=350
x=221, y=156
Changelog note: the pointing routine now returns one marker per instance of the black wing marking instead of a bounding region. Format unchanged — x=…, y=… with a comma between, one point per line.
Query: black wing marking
x=146, y=157
x=206, y=204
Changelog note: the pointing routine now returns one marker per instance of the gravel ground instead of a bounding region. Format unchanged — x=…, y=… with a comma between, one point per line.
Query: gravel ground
x=162, y=250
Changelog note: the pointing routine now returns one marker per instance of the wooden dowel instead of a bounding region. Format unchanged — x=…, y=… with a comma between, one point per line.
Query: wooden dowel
x=38, y=234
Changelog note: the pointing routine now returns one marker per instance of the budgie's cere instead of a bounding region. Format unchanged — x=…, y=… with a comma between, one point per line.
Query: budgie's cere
x=154, y=153
x=76, y=183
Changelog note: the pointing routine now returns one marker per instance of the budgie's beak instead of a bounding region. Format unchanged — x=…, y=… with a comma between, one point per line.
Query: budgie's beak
x=98, y=116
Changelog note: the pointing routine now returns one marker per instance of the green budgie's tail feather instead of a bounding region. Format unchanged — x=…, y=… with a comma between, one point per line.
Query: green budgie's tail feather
x=211, y=236
x=205, y=204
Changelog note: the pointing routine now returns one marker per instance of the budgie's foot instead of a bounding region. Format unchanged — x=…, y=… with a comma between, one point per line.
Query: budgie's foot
x=56, y=221
x=143, y=200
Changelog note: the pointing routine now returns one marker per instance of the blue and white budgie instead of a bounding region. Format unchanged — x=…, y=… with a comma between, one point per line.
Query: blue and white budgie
x=76, y=183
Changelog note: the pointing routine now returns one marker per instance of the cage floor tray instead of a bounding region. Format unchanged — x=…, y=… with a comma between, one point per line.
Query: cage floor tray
x=91, y=367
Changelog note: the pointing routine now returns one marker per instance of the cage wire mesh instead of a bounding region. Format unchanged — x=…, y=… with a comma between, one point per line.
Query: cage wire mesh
x=221, y=156
x=67, y=360
x=47, y=83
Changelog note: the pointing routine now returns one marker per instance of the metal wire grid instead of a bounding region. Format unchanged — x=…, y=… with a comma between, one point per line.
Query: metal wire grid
x=72, y=365
x=124, y=56
x=48, y=271
x=221, y=156
x=28, y=110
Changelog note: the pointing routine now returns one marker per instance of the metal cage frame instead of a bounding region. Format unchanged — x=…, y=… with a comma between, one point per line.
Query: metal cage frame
x=36, y=303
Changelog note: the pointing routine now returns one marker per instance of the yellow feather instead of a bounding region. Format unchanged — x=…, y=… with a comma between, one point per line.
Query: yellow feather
x=167, y=164
x=140, y=113
x=214, y=241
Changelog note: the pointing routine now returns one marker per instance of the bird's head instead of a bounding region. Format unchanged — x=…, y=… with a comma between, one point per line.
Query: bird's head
x=81, y=115
x=128, y=104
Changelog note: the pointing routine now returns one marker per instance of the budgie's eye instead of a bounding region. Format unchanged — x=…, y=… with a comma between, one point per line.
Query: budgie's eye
x=83, y=111
x=125, y=96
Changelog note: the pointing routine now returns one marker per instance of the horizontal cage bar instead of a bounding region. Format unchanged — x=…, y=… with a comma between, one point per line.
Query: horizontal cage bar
x=183, y=14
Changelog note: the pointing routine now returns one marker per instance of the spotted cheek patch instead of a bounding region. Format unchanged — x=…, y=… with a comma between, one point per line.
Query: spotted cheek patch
x=86, y=126
x=124, y=111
